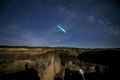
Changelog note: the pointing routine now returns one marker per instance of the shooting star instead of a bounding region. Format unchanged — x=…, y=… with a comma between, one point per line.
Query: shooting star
x=61, y=29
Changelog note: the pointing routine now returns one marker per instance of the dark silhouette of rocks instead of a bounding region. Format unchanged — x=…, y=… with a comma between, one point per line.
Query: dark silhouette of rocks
x=29, y=74
x=26, y=66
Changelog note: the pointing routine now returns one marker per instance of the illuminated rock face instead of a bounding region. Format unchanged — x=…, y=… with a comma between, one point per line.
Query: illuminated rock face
x=48, y=66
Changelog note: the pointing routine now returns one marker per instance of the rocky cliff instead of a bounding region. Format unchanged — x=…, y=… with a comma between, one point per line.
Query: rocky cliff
x=56, y=63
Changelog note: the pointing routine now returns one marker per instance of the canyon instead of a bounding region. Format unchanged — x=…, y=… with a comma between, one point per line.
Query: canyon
x=58, y=63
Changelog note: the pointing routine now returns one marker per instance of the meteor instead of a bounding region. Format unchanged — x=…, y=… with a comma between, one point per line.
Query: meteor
x=61, y=29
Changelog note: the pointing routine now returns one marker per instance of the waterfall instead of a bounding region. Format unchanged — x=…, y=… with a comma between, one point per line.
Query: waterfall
x=82, y=73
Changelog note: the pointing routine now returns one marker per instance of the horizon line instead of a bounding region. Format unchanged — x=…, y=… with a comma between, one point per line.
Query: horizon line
x=19, y=46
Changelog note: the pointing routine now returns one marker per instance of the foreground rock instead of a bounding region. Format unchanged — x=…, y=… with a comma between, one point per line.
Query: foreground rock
x=58, y=64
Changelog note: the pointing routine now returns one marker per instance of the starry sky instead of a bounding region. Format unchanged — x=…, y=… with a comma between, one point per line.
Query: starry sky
x=89, y=23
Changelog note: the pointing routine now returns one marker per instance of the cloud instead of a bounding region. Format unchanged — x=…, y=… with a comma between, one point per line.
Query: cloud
x=91, y=18
x=113, y=30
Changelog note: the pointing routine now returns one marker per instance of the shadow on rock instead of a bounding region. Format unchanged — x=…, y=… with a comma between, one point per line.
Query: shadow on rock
x=28, y=74
x=72, y=75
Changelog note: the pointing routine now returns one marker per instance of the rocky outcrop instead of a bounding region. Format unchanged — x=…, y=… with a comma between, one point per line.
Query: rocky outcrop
x=57, y=63
x=48, y=65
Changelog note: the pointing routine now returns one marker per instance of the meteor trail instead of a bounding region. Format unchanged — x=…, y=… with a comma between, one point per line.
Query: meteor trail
x=61, y=29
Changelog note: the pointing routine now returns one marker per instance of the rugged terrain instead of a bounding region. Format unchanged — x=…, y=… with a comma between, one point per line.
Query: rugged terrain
x=58, y=63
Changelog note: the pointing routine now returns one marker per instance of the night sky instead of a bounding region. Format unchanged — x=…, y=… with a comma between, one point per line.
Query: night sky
x=89, y=23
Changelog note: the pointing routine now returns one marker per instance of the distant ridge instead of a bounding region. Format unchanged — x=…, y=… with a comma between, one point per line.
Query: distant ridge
x=9, y=46
x=60, y=47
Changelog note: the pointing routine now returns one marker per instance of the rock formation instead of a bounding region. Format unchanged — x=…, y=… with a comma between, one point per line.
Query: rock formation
x=54, y=64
